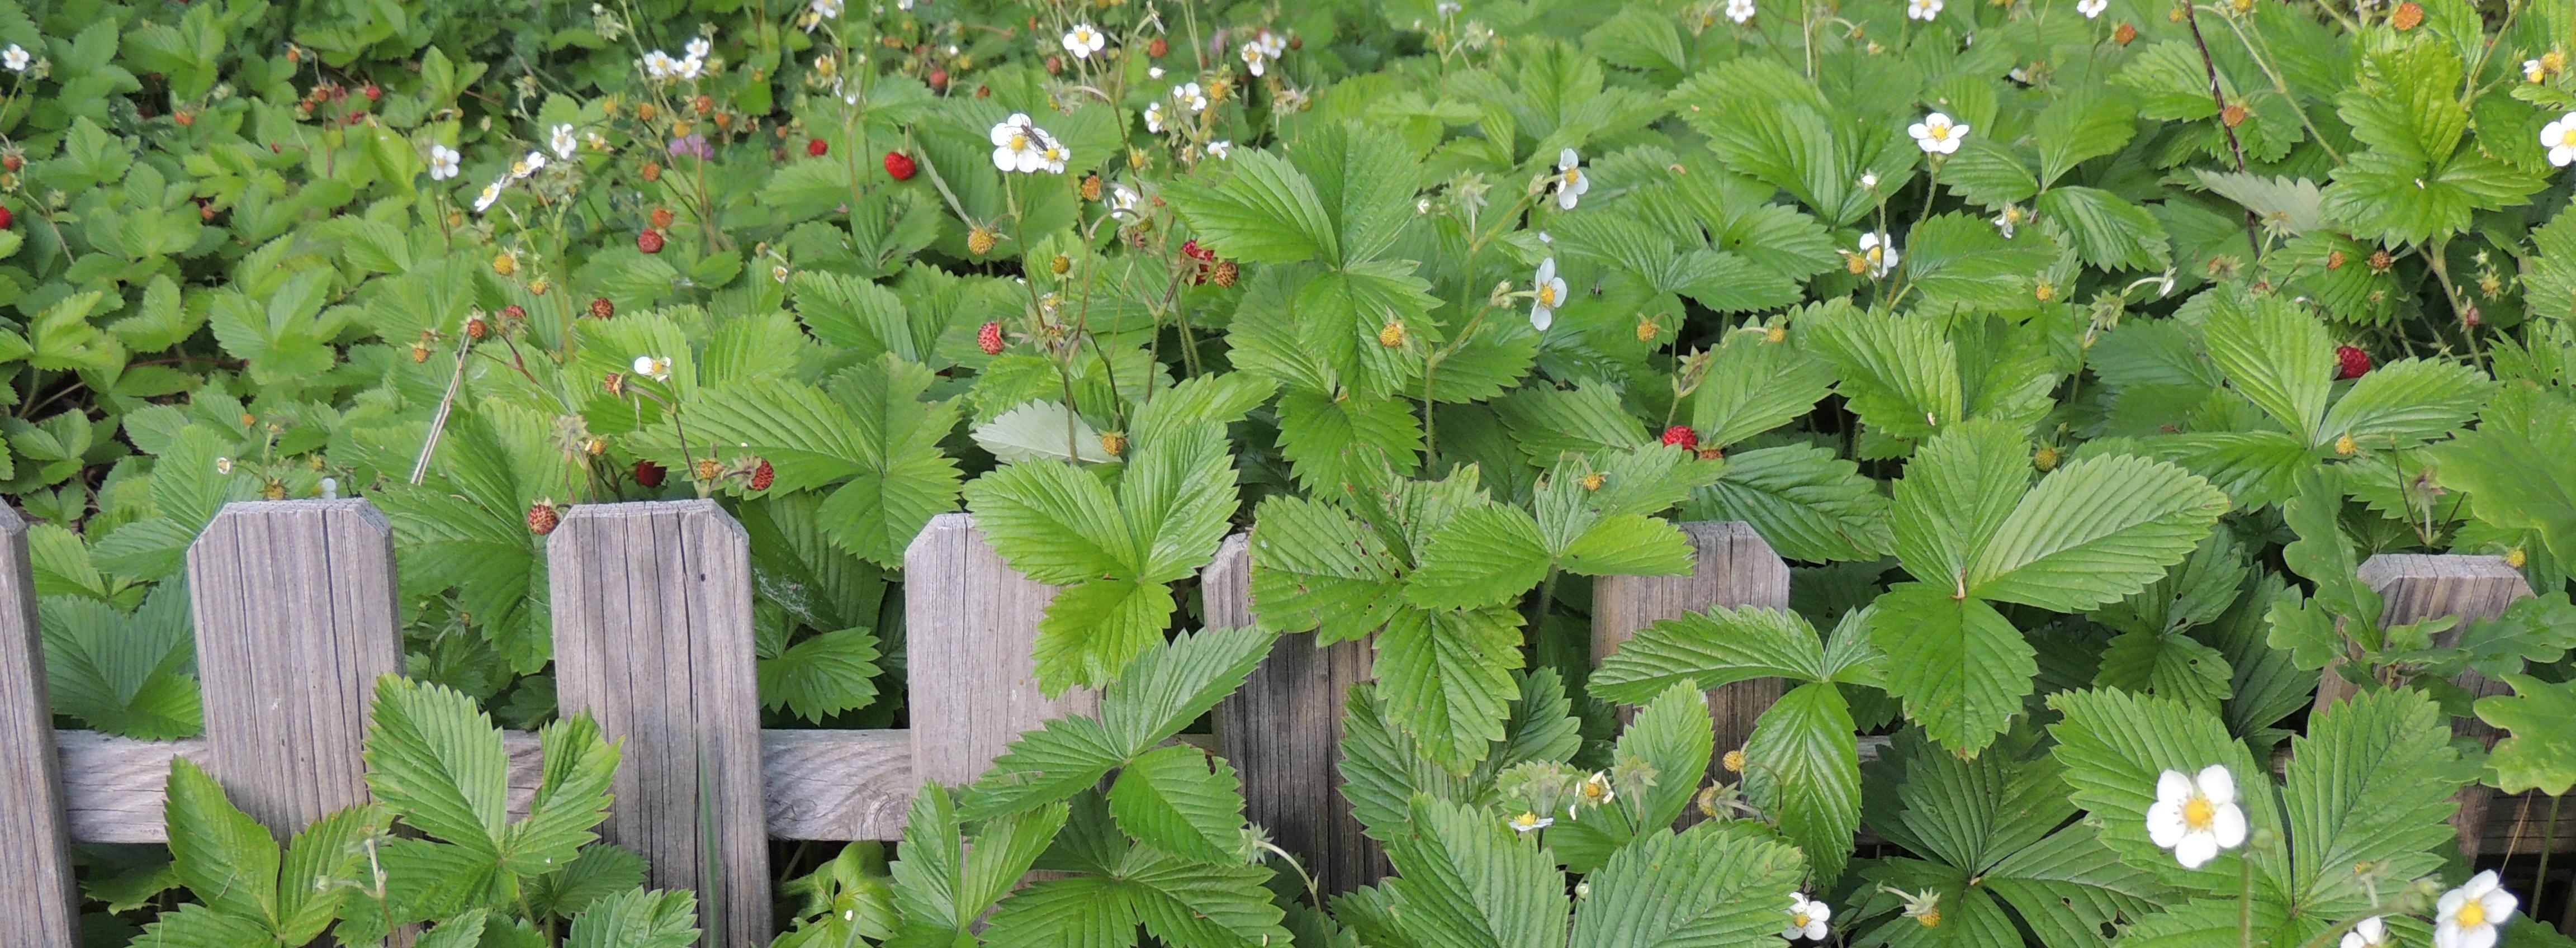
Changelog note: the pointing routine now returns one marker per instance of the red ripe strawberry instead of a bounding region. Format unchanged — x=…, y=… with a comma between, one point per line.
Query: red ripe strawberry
x=477, y=329
x=762, y=475
x=661, y=218
x=1158, y=47
x=2350, y=362
x=374, y=92
x=938, y=79
x=601, y=308
x=1190, y=249
x=649, y=474
x=515, y=311
x=542, y=517
x=989, y=338
x=6, y=218
x=899, y=166
x=817, y=147
x=649, y=241
x=1681, y=436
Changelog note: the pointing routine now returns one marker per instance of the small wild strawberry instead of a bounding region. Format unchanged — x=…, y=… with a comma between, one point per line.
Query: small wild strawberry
x=13, y=159
x=989, y=338
x=2409, y=15
x=704, y=104
x=542, y=517
x=1391, y=335
x=2334, y=260
x=938, y=79
x=817, y=147
x=649, y=241
x=2045, y=459
x=1114, y=443
x=7, y=218
x=1091, y=186
x=1225, y=273
x=648, y=473
x=1054, y=65
x=980, y=240
x=1158, y=47
x=1681, y=436
x=2380, y=261
x=601, y=308
x=505, y=263
x=514, y=312
x=374, y=92
x=2351, y=362
x=661, y=218
x=476, y=328
x=2233, y=114
x=419, y=352
x=2125, y=35
x=1061, y=265
x=652, y=171
x=1646, y=330
x=707, y=469
x=2346, y=446
x=898, y=166
x=762, y=475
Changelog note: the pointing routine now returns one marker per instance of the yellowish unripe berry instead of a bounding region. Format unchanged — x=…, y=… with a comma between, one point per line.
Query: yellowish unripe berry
x=1114, y=443
x=2516, y=558
x=1733, y=761
x=1391, y=335
x=2346, y=446
x=2045, y=459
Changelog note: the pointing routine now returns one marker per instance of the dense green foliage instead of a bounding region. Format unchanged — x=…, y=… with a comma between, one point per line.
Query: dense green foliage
x=2077, y=352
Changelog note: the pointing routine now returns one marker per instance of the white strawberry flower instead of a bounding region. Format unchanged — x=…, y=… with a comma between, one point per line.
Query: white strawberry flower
x=1878, y=251
x=660, y=65
x=1084, y=40
x=1937, y=134
x=1019, y=145
x=779, y=272
x=1448, y=8
x=1219, y=150
x=491, y=193
x=1924, y=10
x=2091, y=8
x=656, y=367
x=564, y=141
x=1123, y=199
x=1191, y=96
x=689, y=68
x=1570, y=181
x=1154, y=117
x=2196, y=817
x=2533, y=71
x=1868, y=179
x=2468, y=916
x=2560, y=138
x=1740, y=11
x=829, y=9
x=1807, y=918
x=1256, y=58
x=521, y=169
x=2370, y=933
x=1271, y=44
x=16, y=58
x=698, y=47
x=1530, y=823
x=2011, y=217
x=1153, y=72
x=442, y=162
x=1547, y=292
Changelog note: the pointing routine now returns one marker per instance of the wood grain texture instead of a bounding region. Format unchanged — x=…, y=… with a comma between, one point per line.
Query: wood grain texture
x=1283, y=733
x=1735, y=568
x=2416, y=587
x=653, y=637
x=971, y=628
x=825, y=785
x=295, y=620
x=35, y=844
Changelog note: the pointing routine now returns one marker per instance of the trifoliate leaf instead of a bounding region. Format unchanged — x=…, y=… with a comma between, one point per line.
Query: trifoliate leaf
x=1465, y=879
x=637, y=918
x=2276, y=354
x=1900, y=375
x=1445, y=676
x=2115, y=746
x=822, y=676
x=1257, y=208
x=1172, y=799
x=1718, y=883
x=121, y=674
x=1754, y=385
x=1316, y=567
x=2370, y=783
x=2095, y=530
x=1806, y=501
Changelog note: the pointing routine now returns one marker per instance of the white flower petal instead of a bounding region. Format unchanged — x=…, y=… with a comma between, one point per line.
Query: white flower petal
x=2164, y=824
x=2217, y=784
x=2228, y=825
x=2196, y=850
x=2172, y=786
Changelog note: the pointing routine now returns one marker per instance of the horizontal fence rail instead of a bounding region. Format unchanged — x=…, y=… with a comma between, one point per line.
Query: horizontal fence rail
x=296, y=616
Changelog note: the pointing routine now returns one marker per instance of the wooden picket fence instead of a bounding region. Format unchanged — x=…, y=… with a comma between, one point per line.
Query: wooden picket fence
x=296, y=617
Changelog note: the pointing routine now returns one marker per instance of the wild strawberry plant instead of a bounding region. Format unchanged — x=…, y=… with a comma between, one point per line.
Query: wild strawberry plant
x=2076, y=352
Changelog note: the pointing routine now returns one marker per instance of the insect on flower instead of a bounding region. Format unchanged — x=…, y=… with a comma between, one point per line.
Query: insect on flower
x=1877, y=256
x=1571, y=183
x=2196, y=816
x=1547, y=292
x=1019, y=145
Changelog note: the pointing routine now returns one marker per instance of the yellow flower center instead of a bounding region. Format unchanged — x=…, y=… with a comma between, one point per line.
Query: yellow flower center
x=1055, y=154
x=2199, y=813
x=1019, y=142
x=1798, y=920
x=1525, y=820
x=2473, y=913
x=1595, y=791
x=1939, y=132
x=1874, y=254
x=1573, y=176
x=2568, y=137
x=1547, y=296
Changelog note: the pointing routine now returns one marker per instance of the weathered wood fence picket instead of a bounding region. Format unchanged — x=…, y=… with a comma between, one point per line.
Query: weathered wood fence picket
x=296, y=616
